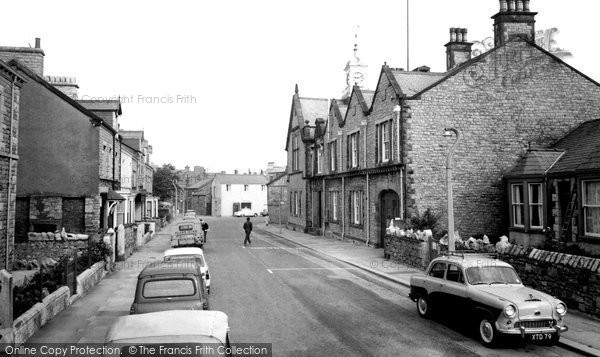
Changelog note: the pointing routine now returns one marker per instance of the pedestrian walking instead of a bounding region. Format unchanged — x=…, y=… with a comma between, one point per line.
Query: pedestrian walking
x=204, y=226
x=248, y=229
x=267, y=220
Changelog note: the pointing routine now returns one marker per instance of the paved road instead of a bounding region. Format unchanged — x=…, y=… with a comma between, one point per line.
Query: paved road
x=303, y=303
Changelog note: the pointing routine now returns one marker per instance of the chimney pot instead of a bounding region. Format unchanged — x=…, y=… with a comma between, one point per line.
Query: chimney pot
x=452, y=34
x=464, y=34
x=526, y=5
x=38, y=42
x=520, y=5
x=459, y=35
x=503, y=6
x=511, y=5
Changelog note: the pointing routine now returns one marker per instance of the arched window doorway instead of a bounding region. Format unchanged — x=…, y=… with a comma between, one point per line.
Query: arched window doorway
x=390, y=209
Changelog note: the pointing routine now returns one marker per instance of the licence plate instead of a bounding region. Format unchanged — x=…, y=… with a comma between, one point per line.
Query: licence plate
x=541, y=336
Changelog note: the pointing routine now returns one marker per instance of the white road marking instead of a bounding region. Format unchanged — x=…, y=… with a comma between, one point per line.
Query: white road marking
x=269, y=270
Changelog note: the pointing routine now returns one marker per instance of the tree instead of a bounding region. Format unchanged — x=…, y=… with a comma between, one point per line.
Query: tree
x=163, y=182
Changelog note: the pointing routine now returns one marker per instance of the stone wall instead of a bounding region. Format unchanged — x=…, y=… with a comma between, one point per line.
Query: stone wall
x=48, y=249
x=571, y=278
x=409, y=251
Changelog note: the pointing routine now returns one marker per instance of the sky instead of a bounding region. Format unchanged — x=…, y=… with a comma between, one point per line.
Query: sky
x=211, y=82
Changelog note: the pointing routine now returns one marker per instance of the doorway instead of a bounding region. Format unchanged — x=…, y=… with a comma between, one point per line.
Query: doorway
x=390, y=209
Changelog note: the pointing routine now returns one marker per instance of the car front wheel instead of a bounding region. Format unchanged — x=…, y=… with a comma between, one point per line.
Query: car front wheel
x=488, y=335
x=424, y=307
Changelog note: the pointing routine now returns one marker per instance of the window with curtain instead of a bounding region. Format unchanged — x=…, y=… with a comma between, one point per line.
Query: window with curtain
x=536, y=208
x=591, y=208
x=518, y=213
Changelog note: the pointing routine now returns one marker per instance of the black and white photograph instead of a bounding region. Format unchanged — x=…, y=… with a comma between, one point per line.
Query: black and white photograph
x=314, y=178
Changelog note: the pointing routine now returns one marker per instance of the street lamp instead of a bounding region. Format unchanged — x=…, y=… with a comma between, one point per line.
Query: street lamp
x=448, y=133
x=175, y=186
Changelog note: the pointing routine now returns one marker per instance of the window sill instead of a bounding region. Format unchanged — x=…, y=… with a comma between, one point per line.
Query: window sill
x=527, y=230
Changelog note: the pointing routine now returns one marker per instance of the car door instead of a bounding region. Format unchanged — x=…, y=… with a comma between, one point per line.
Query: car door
x=455, y=289
x=435, y=283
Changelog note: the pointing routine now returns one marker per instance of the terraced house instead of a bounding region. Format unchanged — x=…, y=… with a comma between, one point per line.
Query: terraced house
x=10, y=91
x=374, y=157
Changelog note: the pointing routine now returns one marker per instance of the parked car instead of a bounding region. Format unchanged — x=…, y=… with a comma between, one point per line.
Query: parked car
x=190, y=214
x=164, y=286
x=177, y=326
x=264, y=212
x=245, y=212
x=488, y=294
x=189, y=234
x=196, y=254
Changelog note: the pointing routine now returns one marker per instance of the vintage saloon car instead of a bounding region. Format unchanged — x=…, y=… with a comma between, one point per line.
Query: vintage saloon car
x=488, y=293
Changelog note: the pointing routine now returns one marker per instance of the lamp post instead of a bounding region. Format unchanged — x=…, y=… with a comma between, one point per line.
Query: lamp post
x=175, y=186
x=448, y=133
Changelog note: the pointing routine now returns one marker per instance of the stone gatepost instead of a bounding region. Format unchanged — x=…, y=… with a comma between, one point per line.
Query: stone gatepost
x=6, y=307
x=140, y=235
x=120, y=243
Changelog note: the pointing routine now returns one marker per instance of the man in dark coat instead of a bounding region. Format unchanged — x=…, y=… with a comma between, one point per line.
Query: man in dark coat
x=247, y=229
x=204, y=226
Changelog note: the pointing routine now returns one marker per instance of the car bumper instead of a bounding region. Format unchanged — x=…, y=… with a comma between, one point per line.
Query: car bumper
x=523, y=332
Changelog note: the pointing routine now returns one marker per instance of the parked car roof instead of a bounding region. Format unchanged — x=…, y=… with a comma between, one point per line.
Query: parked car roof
x=165, y=268
x=169, y=326
x=184, y=251
x=473, y=259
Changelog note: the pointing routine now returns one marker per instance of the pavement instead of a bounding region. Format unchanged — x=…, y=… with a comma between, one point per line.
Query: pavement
x=584, y=330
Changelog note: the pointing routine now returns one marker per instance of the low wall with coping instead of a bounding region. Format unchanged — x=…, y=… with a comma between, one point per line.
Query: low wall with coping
x=30, y=322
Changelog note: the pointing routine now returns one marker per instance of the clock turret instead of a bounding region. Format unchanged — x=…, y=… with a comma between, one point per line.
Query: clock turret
x=355, y=72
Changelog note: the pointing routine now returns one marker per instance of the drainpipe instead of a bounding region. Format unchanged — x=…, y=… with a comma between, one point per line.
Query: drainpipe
x=323, y=204
x=10, y=163
x=367, y=212
x=343, y=213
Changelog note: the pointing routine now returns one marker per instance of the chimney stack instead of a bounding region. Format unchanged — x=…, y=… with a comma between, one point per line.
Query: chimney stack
x=458, y=50
x=514, y=20
x=67, y=85
x=32, y=58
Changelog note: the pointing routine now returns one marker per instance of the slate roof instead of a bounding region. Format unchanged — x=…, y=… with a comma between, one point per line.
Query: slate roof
x=313, y=108
x=95, y=119
x=582, y=149
x=232, y=179
x=199, y=184
x=412, y=82
x=535, y=163
x=109, y=105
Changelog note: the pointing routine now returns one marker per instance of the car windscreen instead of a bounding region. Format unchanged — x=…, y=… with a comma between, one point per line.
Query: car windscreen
x=168, y=288
x=186, y=227
x=492, y=275
x=179, y=258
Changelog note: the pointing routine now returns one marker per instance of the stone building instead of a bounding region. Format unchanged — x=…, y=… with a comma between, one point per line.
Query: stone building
x=10, y=92
x=145, y=204
x=381, y=156
x=555, y=191
x=198, y=197
x=277, y=199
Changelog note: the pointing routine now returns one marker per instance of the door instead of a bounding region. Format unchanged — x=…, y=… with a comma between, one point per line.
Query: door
x=318, y=219
x=390, y=209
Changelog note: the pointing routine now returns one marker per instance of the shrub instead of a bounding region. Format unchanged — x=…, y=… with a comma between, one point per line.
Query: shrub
x=427, y=220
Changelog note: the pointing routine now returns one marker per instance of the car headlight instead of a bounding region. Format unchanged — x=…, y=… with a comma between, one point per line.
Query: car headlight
x=561, y=309
x=510, y=311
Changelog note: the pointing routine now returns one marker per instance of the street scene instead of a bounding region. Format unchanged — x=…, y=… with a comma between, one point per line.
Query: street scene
x=399, y=178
